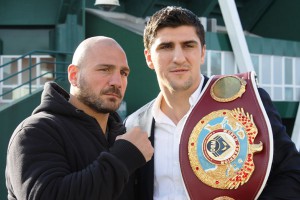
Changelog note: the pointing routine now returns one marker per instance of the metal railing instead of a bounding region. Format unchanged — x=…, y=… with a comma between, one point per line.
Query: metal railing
x=60, y=62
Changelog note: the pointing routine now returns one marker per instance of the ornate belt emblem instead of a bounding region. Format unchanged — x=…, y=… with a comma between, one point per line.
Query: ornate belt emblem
x=228, y=88
x=221, y=148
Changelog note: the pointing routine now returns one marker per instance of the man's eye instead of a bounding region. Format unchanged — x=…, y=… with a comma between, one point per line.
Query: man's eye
x=165, y=46
x=124, y=73
x=189, y=45
x=104, y=69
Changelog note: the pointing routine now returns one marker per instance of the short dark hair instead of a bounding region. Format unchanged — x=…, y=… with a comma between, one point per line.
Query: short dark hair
x=171, y=16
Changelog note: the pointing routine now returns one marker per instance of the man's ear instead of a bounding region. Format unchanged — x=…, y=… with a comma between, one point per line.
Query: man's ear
x=73, y=74
x=203, y=54
x=148, y=58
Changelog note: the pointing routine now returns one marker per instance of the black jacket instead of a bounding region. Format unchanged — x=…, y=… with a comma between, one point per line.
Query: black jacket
x=284, y=179
x=59, y=152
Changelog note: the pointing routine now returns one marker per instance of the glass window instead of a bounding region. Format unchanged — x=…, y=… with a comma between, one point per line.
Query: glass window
x=297, y=94
x=297, y=71
x=289, y=94
x=10, y=72
x=29, y=67
x=278, y=95
x=19, y=73
x=278, y=68
x=266, y=70
x=288, y=64
x=215, y=63
x=47, y=70
x=7, y=93
x=204, y=67
x=20, y=92
x=229, y=64
x=255, y=62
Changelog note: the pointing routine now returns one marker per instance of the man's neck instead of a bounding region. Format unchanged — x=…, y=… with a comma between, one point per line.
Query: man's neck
x=175, y=106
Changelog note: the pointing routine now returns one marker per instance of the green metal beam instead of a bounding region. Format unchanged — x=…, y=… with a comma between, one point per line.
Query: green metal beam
x=148, y=7
x=63, y=11
x=280, y=21
x=253, y=11
x=202, y=8
x=31, y=12
x=69, y=7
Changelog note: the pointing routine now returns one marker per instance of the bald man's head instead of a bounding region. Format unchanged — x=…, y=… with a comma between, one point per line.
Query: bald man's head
x=98, y=75
x=90, y=45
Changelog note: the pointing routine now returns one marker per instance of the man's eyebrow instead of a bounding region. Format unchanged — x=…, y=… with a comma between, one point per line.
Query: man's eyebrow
x=183, y=42
x=191, y=41
x=104, y=65
x=125, y=68
x=164, y=43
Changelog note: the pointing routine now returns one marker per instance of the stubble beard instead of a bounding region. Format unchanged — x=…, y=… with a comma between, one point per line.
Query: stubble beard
x=175, y=86
x=95, y=102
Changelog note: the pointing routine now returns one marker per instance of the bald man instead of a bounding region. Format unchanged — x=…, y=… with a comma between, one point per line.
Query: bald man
x=74, y=146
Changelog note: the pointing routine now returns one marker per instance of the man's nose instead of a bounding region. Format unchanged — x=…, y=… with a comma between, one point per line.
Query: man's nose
x=179, y=56
x=116, y=79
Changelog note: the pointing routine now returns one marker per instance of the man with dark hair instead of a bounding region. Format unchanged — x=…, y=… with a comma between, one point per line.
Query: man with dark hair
x=175, y=49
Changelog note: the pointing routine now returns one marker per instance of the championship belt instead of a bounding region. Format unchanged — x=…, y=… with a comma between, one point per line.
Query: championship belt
x=226, y=147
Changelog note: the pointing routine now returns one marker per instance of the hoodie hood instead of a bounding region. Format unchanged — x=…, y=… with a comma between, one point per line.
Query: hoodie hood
x=55, y=99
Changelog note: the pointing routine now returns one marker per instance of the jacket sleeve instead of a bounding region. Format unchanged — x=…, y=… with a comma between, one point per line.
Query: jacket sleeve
x=284, y=179
x=38, y=168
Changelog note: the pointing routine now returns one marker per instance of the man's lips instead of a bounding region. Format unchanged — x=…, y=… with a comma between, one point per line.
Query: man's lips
x=179, y=70
x=113, y=91
x=113, y=94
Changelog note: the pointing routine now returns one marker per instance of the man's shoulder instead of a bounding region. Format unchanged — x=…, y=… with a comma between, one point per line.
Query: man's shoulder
x=134, y=118
x=147, y=107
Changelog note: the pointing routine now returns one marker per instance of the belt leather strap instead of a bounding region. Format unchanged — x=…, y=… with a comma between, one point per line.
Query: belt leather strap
x=226, y=147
